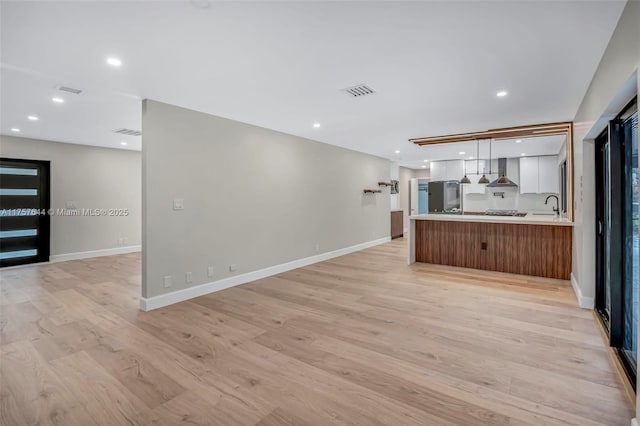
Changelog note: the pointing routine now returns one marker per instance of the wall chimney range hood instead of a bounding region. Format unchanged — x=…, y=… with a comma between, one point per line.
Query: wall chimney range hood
x=503, y=181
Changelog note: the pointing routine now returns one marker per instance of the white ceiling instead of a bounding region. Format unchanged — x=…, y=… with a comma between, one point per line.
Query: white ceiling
x=435, y=66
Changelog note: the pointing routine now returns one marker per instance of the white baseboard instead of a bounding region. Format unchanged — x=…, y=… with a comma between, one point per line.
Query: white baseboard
x=634, y=422
x=150, y=303
x=584, y=302
x=93, y=253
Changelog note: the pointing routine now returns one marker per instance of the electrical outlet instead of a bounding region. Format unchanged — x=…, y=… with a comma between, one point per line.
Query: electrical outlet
x=233, y=267
x=178, y=204
x=188, y=277
x=210, y=271
x=167, y=281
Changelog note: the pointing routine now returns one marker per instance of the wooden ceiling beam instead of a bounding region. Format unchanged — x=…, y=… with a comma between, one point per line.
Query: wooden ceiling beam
x=530, y=131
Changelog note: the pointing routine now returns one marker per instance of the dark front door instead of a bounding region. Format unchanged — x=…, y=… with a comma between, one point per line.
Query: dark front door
x=24, y=217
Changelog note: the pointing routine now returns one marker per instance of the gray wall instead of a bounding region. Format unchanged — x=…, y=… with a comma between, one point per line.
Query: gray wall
x=252, y=197
x=619, y=62
x=94, y=178
x=603, y=99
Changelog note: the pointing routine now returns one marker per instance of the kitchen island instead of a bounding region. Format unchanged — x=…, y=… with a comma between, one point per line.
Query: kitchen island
x=538, y=245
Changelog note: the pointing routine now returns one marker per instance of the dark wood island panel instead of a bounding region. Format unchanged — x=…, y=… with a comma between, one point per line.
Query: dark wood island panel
x=538, y=250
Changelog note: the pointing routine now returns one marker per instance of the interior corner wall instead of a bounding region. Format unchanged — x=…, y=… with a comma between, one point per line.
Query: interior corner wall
x=620, y=61
x=92, y=178
x=404, y=179
x=253, y=197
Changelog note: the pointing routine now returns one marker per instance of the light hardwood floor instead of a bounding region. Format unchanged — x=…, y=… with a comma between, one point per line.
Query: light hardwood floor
x=361, y=339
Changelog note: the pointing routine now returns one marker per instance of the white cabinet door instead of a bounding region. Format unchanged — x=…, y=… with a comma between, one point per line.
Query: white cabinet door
x=438, y=171
x=455, y=169
x=529, y=175
x=548, y=174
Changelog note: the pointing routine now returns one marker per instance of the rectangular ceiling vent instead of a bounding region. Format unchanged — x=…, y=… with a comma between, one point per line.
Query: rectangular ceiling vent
x=359, y=90
x=69, y=89
x=128, y=132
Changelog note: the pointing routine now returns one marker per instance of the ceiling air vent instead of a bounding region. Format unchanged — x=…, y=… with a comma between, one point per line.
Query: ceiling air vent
x=128, y=132
x=69, y=89
x=359, y=90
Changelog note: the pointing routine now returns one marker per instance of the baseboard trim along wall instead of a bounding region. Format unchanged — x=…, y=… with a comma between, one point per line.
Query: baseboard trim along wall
x=584, y=302
x=148, y=304
x=93, y=253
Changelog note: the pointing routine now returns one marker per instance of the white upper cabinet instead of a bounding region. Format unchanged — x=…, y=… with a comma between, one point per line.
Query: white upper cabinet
x=539, y=175
x=529, y=175
x=446, y=170
x=438, y=171
x=455, y=169
x=548, y=175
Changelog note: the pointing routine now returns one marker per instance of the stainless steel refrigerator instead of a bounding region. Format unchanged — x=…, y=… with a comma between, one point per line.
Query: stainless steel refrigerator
x=445, y=197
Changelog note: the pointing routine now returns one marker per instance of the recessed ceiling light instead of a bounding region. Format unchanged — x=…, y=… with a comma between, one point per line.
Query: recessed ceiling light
x=397, y=151
x=316, y=125
x=114, y=62
x=123, y=143
x=501, y=94
x=58, y=100
x=15, y=129
x=518, y=141
x=470, y=158
x=523, y=154
x=462, y=153
x=426, y=161
x=33, y=118
x=424, y=167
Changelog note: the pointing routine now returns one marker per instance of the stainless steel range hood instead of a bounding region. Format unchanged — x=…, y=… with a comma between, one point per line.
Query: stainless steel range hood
x=503, y=181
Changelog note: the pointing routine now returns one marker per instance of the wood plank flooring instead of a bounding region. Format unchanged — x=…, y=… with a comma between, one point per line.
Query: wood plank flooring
x=362, y=339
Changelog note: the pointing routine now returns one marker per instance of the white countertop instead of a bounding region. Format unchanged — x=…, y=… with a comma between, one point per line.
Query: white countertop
x=529, y=219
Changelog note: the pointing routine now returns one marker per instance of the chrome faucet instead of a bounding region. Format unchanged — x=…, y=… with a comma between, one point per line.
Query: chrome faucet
x=557, y=206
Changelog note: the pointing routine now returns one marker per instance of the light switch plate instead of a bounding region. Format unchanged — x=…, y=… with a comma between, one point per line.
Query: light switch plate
x=167, y=281
x=189, y=277
x=233, y=267
x=210, y=271
x=178, y=204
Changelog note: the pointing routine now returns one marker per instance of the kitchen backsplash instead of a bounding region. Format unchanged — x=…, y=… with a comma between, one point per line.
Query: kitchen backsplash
x=512, y=200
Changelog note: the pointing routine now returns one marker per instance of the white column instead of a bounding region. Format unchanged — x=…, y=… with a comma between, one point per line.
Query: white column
x=412, y=246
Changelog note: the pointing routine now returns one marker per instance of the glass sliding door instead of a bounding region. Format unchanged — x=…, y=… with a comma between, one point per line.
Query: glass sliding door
x=629, y=124
x=603, y=229
x=617, y=236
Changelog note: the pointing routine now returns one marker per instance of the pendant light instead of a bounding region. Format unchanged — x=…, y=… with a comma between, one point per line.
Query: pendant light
x=465, y=180
x=484, y=180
